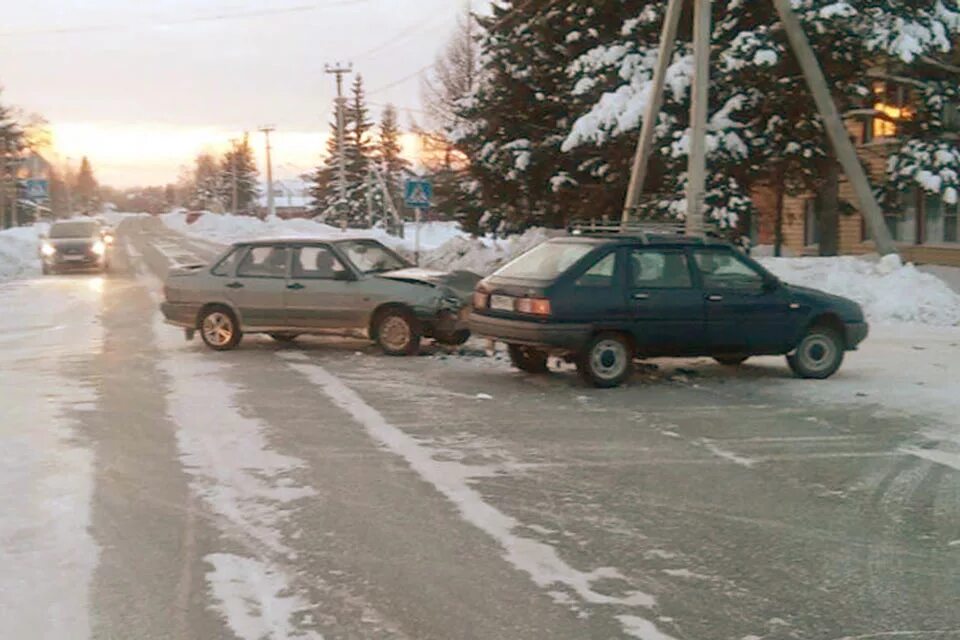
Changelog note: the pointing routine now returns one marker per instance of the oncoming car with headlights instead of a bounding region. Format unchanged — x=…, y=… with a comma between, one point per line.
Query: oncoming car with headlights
x=285, y=288
x=74, y=244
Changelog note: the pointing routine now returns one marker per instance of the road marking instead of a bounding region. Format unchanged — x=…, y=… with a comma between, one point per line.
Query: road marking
x=727, y=455
x=535, y=558
x=944, y=458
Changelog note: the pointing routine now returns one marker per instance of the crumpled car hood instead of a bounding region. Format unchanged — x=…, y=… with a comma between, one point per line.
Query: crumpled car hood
x=462, y=282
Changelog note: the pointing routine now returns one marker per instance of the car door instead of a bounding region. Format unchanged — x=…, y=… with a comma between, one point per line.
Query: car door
x=258, y=286
x=745, y=312
x=593, y=293
x=322, y=292
x=668, y=310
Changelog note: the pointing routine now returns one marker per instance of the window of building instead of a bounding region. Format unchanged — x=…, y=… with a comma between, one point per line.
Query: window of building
x=951, y=117
x=811, y=223
x=939, y=221
x=892, y=103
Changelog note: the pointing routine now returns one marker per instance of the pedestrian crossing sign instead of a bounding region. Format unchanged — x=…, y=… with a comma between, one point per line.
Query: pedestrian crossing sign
x=418, y=194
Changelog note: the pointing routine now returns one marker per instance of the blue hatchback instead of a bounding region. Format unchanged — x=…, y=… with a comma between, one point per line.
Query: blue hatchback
x=603, y=301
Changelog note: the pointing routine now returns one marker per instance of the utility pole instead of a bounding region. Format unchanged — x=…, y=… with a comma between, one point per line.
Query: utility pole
x=233, y=177
x=836, y=131
x=699, y=105
x=267, y=130
x=67, y=177
x=339, y=70
x=696, y=171
x=645, y=145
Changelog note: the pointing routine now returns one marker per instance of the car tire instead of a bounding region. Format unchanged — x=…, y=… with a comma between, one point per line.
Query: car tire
x=528, y=359
x=731, y=361
x=818, y=355
x=397, y=332
x=607, y=361
x=455, y=339
x=219, y=329
x=284, y=338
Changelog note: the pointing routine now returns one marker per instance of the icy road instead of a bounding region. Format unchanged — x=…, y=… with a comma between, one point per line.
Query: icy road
x=152, y=489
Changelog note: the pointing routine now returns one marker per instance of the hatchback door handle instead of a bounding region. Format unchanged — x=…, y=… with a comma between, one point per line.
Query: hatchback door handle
x=715, y=298
x=296, y=286
x=641, y=296
x=235, y=285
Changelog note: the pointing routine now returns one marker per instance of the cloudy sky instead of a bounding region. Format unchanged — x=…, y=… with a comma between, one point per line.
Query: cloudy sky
x=141, y=87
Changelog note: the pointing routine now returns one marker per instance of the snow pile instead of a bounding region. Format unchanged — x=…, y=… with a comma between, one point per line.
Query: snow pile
x=20, y=251
x=227, y=228
x=482, y=255
x=888, y=290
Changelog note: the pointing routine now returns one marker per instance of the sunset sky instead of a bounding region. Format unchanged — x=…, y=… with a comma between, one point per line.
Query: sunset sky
x=141, y=88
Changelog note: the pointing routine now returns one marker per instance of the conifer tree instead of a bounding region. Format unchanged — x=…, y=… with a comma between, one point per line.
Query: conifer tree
x=207, y=184
x=393, y=165
x=239, y=168
x=87, y=190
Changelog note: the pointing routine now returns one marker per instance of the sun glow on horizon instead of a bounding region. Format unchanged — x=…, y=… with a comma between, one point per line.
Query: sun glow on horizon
x=126, y=155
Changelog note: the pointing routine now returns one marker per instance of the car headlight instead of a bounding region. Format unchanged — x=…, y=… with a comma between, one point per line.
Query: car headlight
x=48, y=249
x=99, y=248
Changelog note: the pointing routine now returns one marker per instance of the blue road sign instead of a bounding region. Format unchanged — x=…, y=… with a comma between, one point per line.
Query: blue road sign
x=418, y=194
x=38, y=189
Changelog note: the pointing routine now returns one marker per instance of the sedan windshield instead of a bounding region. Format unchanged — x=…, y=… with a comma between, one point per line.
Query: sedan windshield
x=547, y=261
x=369, y=256
x=81, y=229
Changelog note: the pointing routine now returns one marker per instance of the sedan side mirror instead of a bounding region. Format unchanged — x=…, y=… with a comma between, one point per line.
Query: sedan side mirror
x=771, y=284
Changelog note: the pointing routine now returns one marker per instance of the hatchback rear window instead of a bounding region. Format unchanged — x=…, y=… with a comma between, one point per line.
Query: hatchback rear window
x=547, y=261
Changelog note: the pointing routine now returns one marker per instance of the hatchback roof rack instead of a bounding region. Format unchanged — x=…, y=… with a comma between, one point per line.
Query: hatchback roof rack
x=647, y=231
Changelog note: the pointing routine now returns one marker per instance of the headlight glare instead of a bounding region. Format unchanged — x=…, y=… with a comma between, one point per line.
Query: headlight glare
x=99, y=248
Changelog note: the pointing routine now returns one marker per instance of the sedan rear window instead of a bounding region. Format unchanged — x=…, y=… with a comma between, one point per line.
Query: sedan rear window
x=82, y=229
x=547, y=261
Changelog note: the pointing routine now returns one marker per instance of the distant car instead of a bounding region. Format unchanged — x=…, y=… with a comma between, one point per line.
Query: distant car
x=603, y=301
x=285, y=288
x=74, y=244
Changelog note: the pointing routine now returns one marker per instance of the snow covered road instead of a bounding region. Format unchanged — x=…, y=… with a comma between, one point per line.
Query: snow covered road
x=154, y=489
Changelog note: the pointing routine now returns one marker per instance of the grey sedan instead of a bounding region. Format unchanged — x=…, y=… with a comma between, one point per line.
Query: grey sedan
x=286, y=288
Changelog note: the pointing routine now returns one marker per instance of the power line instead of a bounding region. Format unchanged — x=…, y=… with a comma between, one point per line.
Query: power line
x=400, y=81
x=411, y=30
x=238, y=15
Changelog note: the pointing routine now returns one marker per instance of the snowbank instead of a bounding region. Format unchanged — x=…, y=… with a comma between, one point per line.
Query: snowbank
x=20, y=251
x=482, y=255
x=226, y=229
x=888, y=290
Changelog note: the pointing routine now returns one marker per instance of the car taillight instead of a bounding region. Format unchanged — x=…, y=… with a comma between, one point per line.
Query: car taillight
x=533, y=306
x=480, y=300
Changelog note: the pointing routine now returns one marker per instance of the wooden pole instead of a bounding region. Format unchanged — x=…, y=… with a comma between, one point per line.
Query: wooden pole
x=699, y=109
x=836, y=130
x=641, y=159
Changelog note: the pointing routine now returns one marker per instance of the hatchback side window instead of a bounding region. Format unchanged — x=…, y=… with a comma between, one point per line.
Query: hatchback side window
x=601, y=273
x=227, y=264
x=317, y=263
x=651, y=269
x=723, y=270
x=264, y=262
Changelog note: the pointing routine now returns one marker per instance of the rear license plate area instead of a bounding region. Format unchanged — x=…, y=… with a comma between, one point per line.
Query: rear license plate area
x=501, y=303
